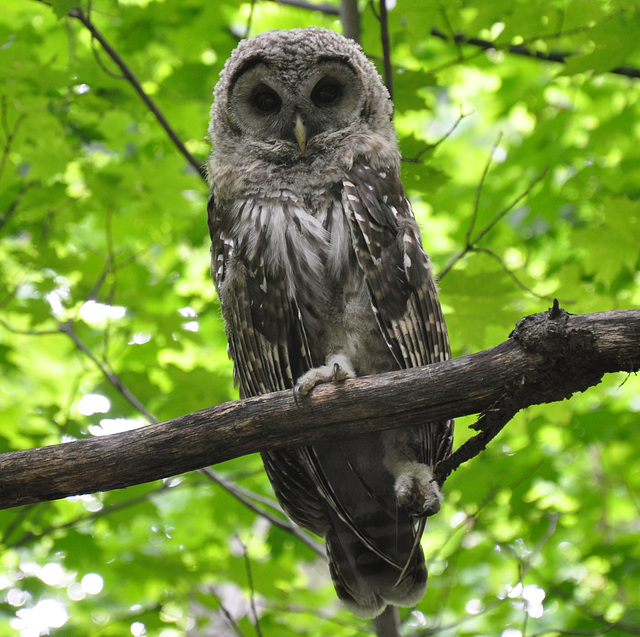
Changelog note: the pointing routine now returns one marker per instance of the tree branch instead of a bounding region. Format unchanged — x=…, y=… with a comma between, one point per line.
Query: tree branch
x=520, y=49
x=386, y=48
x=326, y=8
x=80, y=15
x=9, y=133
x=350, y=18
x=388, y=624
x=548, y=357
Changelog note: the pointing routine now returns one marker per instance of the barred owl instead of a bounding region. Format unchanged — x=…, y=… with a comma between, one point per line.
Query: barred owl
x=321, y=276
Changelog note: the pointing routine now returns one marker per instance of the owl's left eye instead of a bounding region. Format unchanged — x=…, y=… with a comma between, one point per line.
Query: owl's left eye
x=266, y=100
x=327, y=91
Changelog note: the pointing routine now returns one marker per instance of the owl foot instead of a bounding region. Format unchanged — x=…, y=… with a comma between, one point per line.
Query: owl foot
x=337, y=368
x=417, y=490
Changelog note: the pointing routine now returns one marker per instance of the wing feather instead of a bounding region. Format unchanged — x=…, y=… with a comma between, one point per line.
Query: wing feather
x=270, y=350
x=404, y=296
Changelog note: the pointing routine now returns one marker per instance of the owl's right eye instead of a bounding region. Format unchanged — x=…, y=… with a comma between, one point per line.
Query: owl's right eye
x=266, y=101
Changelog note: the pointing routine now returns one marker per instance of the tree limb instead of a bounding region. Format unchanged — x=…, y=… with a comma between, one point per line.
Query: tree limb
x=80, y=15
x=386, y=48
x=520, y=49
x=326, y=8
x=548, y=357
x=350, y=19
x=388, y=624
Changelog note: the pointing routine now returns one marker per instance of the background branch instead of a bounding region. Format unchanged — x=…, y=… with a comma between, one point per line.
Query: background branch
x=520, y=49
x=327, y=9
x=350, y=18
x=386, y=48
x=549, y=357
x=80, y=15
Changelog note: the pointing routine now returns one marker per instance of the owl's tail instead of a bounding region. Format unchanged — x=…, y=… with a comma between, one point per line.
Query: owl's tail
x=364, y=577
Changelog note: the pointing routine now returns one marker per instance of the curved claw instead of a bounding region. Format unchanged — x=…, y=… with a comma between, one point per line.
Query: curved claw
x=296, y=394
x=336, y=370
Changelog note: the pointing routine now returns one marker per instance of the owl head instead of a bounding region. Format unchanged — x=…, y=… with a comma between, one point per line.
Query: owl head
x=304, y=99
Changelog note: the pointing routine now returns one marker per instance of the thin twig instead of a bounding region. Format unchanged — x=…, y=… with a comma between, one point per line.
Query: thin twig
x=13, y=206
x=245, y=496
x=551, y=529
x=356, y=628
x=17, y=521
x=16, y=330
x=9, y=132
x=445, y=17
x=228, y=616
x=471, y=243
x=416, y=159
x=483, y=178
x=372, y=6
x=454, y=62
x=327, y=9
x=585, y=633
x=80, y=15
x=450, y=628
x=503, y=213
x=513, y=275
x=93, y=515
x=252, y=590
x=67, y=328
x=102, y=65
x=521, y=49
x=250, y=18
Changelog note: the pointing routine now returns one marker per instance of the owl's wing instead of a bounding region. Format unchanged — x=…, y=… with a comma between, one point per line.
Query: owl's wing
x=266, y=336
x=403, y=292
x=269, y=350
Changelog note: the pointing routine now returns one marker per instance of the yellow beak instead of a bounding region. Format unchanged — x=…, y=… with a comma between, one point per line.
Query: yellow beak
x=301, y=133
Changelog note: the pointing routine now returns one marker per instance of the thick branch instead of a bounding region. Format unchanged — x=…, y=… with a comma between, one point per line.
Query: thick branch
x=548, y=357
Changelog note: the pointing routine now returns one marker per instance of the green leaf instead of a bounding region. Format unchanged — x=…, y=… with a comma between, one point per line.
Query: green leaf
x=103, y=223
x=62, y=7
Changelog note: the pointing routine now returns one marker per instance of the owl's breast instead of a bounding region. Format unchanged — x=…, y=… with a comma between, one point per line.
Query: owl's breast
x=304, y=244
x=304, y=241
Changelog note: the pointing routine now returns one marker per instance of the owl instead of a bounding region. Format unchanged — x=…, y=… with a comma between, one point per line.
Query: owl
x=321, y=276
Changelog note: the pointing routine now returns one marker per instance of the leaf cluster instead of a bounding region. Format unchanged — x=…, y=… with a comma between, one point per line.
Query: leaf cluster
x=525, y=178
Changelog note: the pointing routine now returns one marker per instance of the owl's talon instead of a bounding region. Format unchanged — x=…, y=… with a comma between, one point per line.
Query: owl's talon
x=296, y=394
x=337, y=368
x=416, y=490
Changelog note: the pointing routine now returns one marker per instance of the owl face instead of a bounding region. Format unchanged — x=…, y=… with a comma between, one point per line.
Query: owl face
x=294, y=109
x=276, y=103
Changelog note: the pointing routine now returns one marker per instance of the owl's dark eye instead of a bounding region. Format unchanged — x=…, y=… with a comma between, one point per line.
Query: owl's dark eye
x=266, y=100
x=327, y=91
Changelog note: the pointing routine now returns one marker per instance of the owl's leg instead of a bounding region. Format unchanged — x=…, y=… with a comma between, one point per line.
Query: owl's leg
x=338, y=367
x=416, y=489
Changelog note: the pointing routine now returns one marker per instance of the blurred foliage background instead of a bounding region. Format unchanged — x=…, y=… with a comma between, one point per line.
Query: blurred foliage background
x=525, y=177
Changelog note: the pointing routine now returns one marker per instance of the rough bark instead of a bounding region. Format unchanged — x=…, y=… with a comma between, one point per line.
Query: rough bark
x=548, y=357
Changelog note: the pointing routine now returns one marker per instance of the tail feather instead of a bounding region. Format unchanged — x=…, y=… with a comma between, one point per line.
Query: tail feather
x=373, y=543
x=365, y=583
